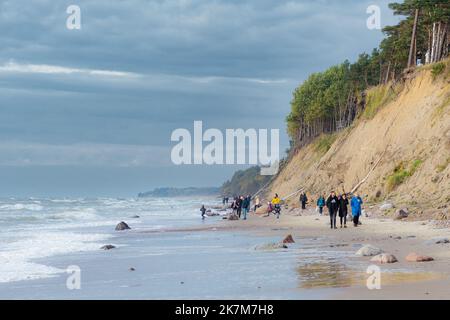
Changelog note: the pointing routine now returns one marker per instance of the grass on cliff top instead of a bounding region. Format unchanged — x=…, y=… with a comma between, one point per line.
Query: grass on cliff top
x=378, y=97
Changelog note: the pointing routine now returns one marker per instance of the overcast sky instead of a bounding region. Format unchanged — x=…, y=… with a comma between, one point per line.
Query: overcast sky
x=90, y=112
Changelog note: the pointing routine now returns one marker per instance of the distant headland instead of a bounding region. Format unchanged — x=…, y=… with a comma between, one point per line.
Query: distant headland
x=181, y=192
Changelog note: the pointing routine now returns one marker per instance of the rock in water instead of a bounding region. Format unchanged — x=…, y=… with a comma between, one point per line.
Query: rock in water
x=289, y=239
x=369, y=251
x=271, y=246
x=414, y=257
x=107, y=247
x=122, y=226
x=386, y=206
x=384, y=258
x=401, y=214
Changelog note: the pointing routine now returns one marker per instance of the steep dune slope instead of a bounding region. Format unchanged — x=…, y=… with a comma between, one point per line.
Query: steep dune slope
x=405, y=147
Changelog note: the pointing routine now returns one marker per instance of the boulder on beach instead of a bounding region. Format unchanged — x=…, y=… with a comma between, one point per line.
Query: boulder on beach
x=271, y=246
x=107, y=247
x=289, y=239
x=401, y=214
x=386, y=206
x=122, y=226
x=369, y=251
x=414, y=257
x=384, y=258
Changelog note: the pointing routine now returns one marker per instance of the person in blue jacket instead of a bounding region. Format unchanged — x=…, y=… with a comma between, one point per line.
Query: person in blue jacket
x=321, y=204
x=356, y=205
x=246, y=206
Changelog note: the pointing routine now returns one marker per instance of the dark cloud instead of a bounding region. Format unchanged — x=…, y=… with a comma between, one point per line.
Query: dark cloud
x=139, y=69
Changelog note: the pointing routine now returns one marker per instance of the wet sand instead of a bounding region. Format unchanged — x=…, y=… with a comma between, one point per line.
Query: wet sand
x=401, y=280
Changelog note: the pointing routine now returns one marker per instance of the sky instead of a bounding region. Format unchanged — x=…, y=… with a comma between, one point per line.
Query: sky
x=90, y=111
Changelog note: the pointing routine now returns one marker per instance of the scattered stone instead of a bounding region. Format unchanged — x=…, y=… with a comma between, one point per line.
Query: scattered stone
x=340, y=245
x=398, y=238
x=369, y=251
x=386, y=206
x=384, y=258
x=271, y=246
x=401, y=214
x=135, y=217
x=233, y=217
x=132, y=269
x=438, y=241
x=411, y=237
x=107, y=247
x=289, y=239
x=182, y=282
x=212, y=214
x=122, y=226
x=414, y=257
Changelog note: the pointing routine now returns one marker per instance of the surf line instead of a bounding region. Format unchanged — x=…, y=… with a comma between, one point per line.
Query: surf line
x=186, y=310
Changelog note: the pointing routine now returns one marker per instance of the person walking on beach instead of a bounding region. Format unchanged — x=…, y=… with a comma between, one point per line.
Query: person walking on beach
x=257, y=203
x=333, y=206
x=239, y=202
x=269, y=208
x=343, y=211
x=203, y=211
x=245, y=206
x=276, y=205
x=303, y=200
x=356, y=205
x=321, y=203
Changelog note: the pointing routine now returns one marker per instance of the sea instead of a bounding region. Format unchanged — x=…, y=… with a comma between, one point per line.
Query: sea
x=51, y=249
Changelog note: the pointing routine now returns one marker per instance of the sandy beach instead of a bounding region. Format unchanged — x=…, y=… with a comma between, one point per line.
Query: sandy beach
x=400, y=280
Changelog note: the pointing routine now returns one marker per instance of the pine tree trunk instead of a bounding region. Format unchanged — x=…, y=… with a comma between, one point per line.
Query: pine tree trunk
x=412, y=51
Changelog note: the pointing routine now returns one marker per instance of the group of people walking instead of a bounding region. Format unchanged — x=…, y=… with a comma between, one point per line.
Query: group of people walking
x=338, y=205
x=241, y=206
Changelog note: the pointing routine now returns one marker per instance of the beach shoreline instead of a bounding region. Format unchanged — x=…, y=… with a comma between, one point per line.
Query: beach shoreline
x=401, y=280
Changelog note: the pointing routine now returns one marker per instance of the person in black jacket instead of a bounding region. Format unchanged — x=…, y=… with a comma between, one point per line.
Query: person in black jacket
x=333, y=207
x=239, y=203
x=203, y=211
x=343, y=211
x=303, y=200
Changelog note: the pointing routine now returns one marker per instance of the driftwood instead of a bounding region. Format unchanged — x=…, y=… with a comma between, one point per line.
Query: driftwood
x=368, y=174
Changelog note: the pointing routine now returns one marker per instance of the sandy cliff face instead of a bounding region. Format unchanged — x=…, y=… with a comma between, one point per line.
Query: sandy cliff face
x=406, y=144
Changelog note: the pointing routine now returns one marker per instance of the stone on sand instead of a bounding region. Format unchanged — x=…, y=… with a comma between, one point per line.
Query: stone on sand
x=414, y=257
x=386, y=206
x=107, y=247
x=384, y=258
x=438, y=241
x=122, y=226
x=271, y=246
x=289, y=239
x=401, y=214
x=369, y=251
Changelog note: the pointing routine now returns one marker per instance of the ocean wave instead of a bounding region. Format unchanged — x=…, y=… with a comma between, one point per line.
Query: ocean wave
x=21, y=206
x=17, y=257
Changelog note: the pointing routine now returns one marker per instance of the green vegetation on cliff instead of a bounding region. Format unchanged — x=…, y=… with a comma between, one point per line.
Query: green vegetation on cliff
x=245, y=182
